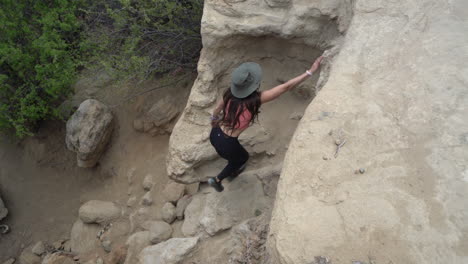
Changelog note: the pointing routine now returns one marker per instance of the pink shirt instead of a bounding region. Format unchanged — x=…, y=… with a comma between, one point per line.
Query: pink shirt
x=244, y=118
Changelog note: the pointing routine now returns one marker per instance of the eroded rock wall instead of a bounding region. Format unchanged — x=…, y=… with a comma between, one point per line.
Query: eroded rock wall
x=397, y=91
x=283, y=36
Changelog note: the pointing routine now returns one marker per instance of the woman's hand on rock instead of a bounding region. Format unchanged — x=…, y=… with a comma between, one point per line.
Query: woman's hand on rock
x=316, y=64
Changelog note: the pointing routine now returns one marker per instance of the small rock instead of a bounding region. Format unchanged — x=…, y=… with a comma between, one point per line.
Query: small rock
x=362, y=170
x=271, y=153
x=67, y=246
x=132, y=201
x=39, y=248
x=76, y=258
x=179, y=248
x=147, y=199
x=131, y=175
x=169, y=213
x=181, y=205
x=338, y=142
x=99, y=212
x=10, y=261
x=159, y=231
x=99, y=261
x=325, y=158
x=107, y=245
x=173, y=191
x=148, y=182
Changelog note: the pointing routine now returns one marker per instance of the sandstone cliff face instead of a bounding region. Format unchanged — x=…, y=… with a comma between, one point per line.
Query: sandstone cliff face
x=283, y=36
x=398, y=91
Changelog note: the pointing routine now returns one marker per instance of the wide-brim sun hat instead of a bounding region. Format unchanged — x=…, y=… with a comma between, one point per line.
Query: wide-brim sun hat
x=246, y=79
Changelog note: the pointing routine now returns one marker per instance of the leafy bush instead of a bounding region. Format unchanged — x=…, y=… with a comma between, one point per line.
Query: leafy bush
x=137, y=38
x=42, y=44
x=39, y=51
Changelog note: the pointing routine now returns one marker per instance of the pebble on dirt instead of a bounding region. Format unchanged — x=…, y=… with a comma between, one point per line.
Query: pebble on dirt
x=148, y=182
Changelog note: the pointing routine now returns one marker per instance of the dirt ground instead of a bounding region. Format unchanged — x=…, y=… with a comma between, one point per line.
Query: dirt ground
x=41, y=184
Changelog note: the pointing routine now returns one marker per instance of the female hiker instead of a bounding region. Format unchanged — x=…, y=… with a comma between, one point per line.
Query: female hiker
x=240, y=107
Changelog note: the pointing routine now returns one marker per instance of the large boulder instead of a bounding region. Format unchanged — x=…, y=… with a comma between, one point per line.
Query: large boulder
x=99, y=212
x=88, y=132
x=83, y=237
x=172, y=251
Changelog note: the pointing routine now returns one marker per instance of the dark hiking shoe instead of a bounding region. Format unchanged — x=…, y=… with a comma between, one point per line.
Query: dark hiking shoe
x=235, y=174
x=217, y=185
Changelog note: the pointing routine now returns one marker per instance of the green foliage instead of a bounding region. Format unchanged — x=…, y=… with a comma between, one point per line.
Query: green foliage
x=39, y=51
x=44, y=42
x=138, y=38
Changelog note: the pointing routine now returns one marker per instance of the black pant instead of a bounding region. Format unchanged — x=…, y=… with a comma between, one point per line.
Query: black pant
x=230, y=149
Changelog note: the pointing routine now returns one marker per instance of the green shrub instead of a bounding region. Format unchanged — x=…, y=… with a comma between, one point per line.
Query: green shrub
x=39, y=54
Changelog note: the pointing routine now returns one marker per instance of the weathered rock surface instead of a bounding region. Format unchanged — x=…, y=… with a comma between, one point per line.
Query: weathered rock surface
x=83, y=237
x=397, y=88
x=398, y=91
x=136, y=243
x=99, y=212
x=214, y=212
x=3, y=209
x=159, y=231
x=171, y=251
x=157, y=119
x=182, y=205
x=57, y=259
x=88, y=132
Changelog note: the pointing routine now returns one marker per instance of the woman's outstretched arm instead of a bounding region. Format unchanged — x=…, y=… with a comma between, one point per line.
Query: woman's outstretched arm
x=275, y=92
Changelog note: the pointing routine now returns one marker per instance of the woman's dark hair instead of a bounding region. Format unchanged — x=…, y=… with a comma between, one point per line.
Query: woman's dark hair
x=233, y=108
